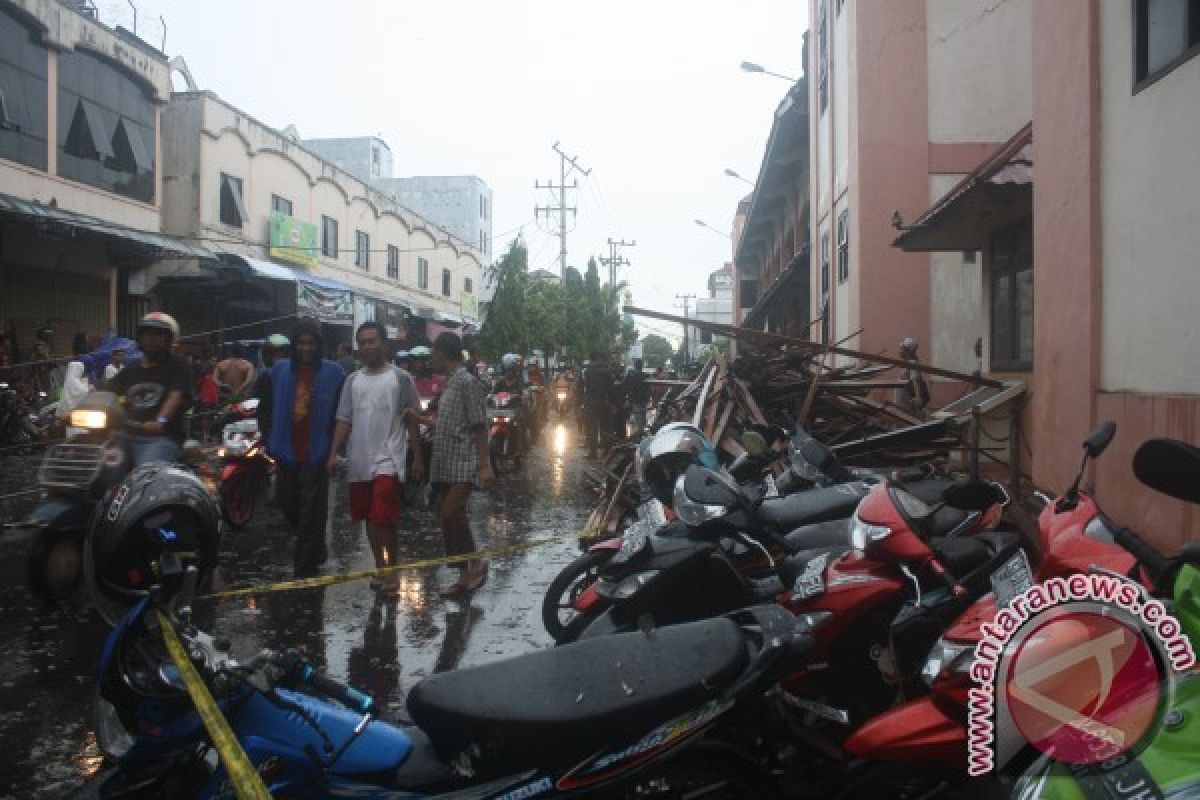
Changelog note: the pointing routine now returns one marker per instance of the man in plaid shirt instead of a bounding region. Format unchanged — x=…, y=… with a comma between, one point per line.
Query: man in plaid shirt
x=460, y=456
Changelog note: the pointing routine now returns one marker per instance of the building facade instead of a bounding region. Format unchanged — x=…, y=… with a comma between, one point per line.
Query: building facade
x=1059, y=231
x=325, y=241
x=80, y=174
x=716, y=307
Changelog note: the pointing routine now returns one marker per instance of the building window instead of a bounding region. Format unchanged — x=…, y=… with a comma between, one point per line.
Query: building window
x=329, y=237
x=393, y=267
x=1010, y=279
x=233, y=207
x=822, y=57
x=24, y=118
x=107, y=124
x=446, y=282
x=482, y=211
x=362, y=250
x=825, y=327
x=375, y=162
x=843, y=246
x=281, y=204
x=1166, y=34
x=422, y=273
x=468, y=286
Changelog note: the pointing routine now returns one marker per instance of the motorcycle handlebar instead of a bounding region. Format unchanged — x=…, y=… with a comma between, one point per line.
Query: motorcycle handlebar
x=1140, y=549
x=304, y=672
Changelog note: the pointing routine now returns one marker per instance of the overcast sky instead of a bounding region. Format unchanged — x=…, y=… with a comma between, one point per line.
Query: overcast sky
x=646, y=94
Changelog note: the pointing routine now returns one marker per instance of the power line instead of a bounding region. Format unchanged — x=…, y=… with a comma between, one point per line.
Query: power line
x=562, y=208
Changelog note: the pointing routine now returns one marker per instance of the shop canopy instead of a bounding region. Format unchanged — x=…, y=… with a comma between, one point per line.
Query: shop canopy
x=60, y=223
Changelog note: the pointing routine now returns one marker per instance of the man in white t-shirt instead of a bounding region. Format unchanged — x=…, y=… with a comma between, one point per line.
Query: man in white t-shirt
x=372, y=426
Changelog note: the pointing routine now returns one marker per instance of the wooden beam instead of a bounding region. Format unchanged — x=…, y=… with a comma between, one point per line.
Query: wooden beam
x=763, y=337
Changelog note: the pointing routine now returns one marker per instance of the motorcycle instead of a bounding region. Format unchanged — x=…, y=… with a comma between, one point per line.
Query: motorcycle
x=18, y=425
x=1169, y=764
x=245, y=468
x=548, y=723
x=562, y=399
x=74, y=476
x=506, y=434
x=923, y=742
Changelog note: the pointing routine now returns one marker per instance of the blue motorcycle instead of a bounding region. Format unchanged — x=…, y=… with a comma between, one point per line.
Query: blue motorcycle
x=629, y=715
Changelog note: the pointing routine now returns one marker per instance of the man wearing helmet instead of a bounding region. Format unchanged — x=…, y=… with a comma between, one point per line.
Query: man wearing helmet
x=914, y=396
x=156, y=392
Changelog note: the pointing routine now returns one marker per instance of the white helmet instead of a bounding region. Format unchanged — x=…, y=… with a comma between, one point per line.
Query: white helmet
x=158, y=321
x=509, y=360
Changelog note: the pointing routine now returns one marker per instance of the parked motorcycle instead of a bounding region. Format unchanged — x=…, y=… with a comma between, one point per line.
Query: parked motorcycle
x=245, y=468
x=1169, y=764
x=18, y=424
x=506, y=431
x=549, y=723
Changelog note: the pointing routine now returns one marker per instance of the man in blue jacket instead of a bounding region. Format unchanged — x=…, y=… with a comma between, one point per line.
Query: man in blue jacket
x=298, y=399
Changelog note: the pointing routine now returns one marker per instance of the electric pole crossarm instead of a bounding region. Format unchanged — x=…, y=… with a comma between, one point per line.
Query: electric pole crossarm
x=562, y=208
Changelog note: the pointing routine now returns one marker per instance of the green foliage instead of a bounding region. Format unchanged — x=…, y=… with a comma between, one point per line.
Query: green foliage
x=656, y=351
x=576, y=317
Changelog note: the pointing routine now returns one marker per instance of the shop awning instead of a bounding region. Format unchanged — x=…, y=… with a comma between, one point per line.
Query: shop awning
x=997, y=192
x=69, y=224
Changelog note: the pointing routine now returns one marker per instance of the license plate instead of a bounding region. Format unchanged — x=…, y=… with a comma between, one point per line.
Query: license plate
x=1012, y=578
x=632, y=542
x=772, y=488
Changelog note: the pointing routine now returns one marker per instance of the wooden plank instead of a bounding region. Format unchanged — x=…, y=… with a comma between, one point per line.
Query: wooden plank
x=703, y=399
x=811, y=347
x=751, y=403
x=719, y=431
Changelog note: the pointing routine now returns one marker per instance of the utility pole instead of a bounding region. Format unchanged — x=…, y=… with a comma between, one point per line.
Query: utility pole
x=615, y=260
x=687, y=346
x=562, y=208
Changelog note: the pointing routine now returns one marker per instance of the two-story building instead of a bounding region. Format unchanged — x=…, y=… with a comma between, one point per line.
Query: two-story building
x=80, y=174
x=308, y=237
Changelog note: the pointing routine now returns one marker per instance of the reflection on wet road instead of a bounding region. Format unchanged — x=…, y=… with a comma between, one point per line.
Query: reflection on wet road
x=382, y=643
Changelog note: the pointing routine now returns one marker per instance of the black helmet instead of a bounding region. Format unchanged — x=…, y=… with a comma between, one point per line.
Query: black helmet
x=157, y=511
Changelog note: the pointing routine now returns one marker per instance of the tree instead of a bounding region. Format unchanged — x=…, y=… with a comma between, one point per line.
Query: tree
x=656, y=350
x=506, y=327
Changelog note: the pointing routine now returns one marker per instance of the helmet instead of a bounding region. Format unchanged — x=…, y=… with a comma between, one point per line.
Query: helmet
x=159, y=510
x=908, y=344
x=421, y=351
x=158, y=321
x=402, y=355
x=278, y=341
x=509, y=360
x=666, y=455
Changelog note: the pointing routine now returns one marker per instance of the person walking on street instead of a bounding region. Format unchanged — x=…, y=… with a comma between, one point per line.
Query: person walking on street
x=460, y=457
x=638, y=393
x=297, y=404
x=373, y=422
x=597, y=388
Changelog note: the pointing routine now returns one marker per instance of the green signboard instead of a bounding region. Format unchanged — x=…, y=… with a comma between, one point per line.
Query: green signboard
x=293, y=240
x=470, y=306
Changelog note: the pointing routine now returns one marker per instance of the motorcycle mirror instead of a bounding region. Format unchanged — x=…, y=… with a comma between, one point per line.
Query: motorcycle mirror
x=817, y=454
x=1171, y=467
x=1099, y=439
x=754, y=443
x=971, y=495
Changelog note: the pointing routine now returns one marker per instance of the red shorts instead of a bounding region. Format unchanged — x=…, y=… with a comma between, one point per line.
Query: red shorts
x=376, y=501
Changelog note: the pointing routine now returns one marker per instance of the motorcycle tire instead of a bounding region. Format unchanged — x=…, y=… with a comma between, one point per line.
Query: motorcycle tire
x=505, y=458
x=708, y=771
x=570, y=582
x=238, y=500
x=56, y=565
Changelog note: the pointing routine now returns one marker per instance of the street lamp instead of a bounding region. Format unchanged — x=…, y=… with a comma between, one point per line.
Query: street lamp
x=748, y=66
x=718, y=231
x=733, y=174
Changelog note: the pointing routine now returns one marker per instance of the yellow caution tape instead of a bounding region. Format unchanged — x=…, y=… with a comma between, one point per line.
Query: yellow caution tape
x=346, y=577
x=242, y=774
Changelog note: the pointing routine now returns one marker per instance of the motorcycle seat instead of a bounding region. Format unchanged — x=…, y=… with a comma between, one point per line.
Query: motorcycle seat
x=805, y=508
x=961, y=554
x=798, y=564
x=832, y=533
x=555, y=705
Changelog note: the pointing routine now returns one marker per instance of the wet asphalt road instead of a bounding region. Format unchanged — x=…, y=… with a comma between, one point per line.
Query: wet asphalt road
x=384, y=645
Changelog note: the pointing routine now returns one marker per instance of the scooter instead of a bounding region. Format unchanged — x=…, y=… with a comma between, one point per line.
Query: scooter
x=628, y=716
x=1169, y=764
x=506, y=434
x=74, y=476
x=19, y=425
x=922, y=744
x=245, y=471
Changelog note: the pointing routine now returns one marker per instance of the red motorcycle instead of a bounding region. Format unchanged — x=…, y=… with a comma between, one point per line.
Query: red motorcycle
x=506, y=434
x=245, y=472
x=922, y=744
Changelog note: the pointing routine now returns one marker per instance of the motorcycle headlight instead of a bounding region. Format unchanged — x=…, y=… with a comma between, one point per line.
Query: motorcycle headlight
x=863, y=533
x=691, y=512
x=947, y=655
x=425, y=403
x=89, y=419
x=629, y=586
x=561, y=395
x=111, y=736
